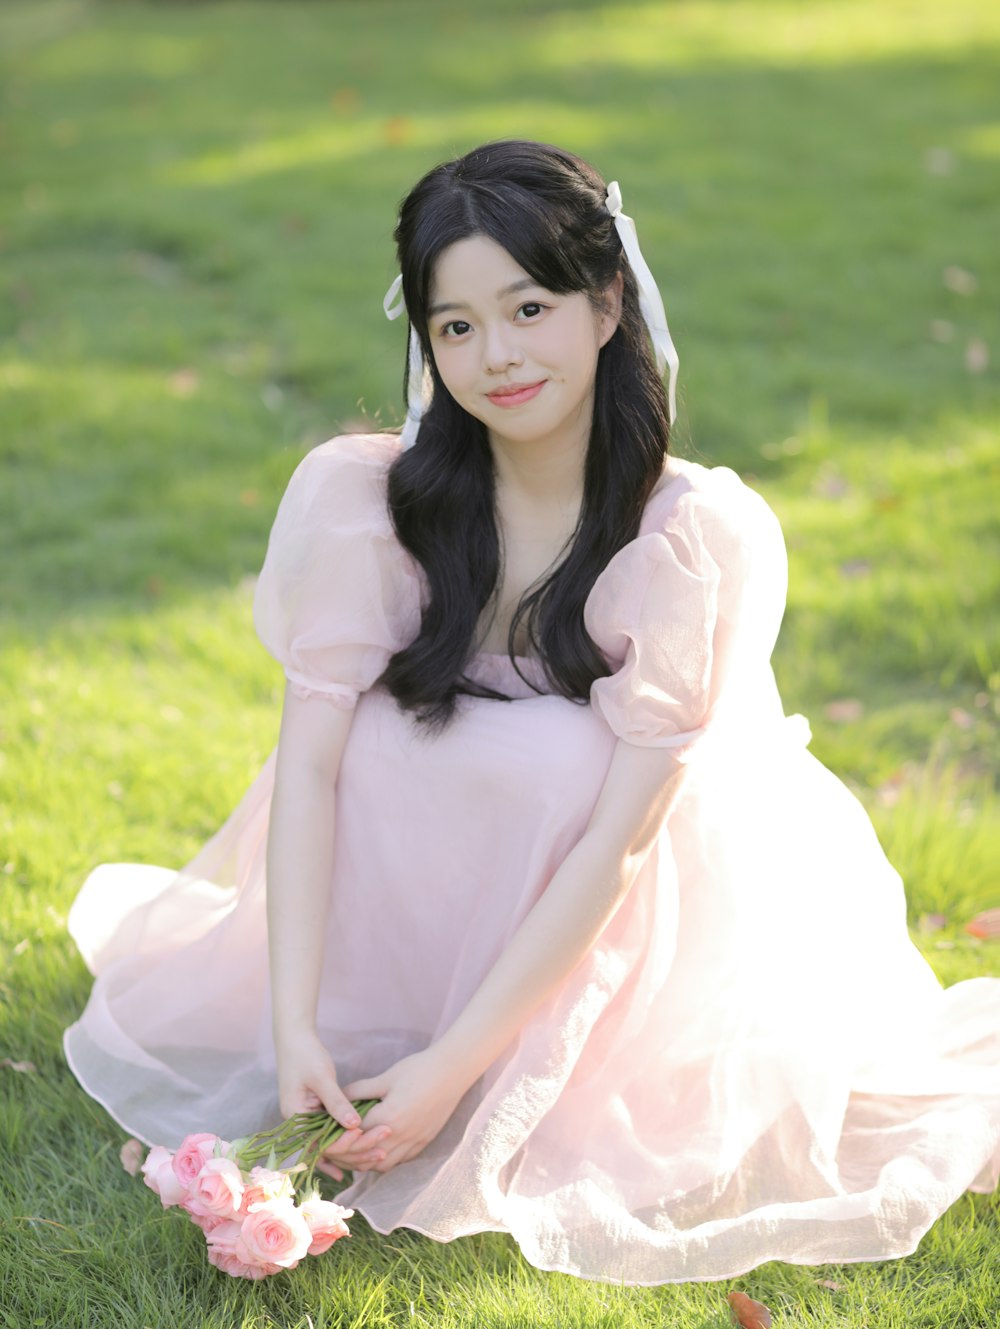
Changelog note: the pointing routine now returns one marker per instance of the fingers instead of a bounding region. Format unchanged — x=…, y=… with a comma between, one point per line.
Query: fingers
x=339, y=1105
x=396, y=1153
x=328, y=1093
x=358, y=1144
x=355, y=1165
x=358, y=1149
x=302, y=1099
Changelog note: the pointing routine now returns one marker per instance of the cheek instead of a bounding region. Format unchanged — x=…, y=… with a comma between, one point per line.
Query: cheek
x=571, y=348
x=454, y=370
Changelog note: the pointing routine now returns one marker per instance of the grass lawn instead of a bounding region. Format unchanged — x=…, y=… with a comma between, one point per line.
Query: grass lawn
x=196, y=206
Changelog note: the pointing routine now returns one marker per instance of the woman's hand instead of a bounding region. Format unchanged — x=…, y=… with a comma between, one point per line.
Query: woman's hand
x=307, y=1080
x=418, y=1096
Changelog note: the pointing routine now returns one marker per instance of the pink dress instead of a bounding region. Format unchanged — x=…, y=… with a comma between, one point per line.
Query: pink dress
x=754, y=1062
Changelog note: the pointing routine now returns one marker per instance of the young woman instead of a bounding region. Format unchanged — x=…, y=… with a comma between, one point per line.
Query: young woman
x=539, y=861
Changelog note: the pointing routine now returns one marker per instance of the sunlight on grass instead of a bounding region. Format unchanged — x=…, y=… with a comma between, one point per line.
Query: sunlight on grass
x=941, y=831
x=357, y=138
x=697, y=34
x=979, y=140
x=93, y=389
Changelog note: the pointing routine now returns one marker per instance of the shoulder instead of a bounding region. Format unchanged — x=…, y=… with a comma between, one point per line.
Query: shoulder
x=348, y=454
x=712, y=502
x=375, y=451
x=346, y=475
x=332, y=536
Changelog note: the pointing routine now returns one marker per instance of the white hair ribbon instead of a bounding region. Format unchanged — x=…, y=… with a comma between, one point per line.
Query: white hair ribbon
x=650, y=301
x=419, y=384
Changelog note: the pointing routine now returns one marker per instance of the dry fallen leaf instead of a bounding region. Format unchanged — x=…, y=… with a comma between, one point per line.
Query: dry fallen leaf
x=831, y=485
x=855, y=567
x=397, y=130
x=345, y=101
x=889, y=791
x=939, y=161
x=747, y=1313
x=977, y=356
x=985, y=925
x=131, y=1156
x=25, y=1067
x=941, y=330
x=959, y=280
x=829, y=1283
x=844, y=710
x=184, y=382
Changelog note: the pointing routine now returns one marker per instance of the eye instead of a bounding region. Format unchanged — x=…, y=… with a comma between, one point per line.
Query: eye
x=463, y=326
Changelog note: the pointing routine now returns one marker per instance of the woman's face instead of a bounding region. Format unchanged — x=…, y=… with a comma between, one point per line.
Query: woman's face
x=492, y=327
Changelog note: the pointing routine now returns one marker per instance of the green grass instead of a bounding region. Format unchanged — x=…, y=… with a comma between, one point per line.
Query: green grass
x=196, y=204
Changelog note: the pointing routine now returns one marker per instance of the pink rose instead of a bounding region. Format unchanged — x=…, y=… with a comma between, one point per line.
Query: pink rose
x=222, y=1253
x=190, y=1158
x=265, y=1184
x=217, y=1190
x=274, y=1233
x=231, y=1264
x=207, y=1222
x=158, y=1174
x=325, y=1221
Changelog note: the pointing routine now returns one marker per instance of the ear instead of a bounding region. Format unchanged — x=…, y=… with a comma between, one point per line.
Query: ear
x=611, y=317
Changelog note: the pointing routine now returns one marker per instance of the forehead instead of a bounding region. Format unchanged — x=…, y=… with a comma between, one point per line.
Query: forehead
x=474, y=270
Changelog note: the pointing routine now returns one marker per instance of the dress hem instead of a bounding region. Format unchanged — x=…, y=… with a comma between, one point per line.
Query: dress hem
x=653, y=1282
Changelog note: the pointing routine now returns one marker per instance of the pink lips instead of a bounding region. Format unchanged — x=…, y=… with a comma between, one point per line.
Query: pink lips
x=519, y=395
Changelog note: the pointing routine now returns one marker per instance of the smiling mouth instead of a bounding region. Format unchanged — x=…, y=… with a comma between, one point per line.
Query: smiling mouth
x=508, y=397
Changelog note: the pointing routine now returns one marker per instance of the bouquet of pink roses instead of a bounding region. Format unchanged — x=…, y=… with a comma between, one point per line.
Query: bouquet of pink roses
x=245, y=1204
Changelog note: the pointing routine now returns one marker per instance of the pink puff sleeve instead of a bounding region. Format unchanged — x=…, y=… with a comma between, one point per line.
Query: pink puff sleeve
x=687, y=615
x=337, y=594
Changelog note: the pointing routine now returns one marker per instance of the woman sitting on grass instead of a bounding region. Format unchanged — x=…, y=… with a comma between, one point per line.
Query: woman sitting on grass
x=539, y=862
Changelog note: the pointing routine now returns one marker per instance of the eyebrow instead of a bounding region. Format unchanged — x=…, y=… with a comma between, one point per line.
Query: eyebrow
x=521, y=285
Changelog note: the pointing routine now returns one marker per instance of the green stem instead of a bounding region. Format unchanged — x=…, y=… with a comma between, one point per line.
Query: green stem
x=308, y=1134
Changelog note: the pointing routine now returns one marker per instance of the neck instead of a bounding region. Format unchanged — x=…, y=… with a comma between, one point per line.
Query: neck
x=546, y=472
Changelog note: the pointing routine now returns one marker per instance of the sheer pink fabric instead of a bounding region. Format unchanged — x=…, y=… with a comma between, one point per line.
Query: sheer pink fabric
x=753, y=1063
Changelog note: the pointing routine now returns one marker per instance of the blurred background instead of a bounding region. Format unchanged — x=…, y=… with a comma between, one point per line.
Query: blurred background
x=195, y=236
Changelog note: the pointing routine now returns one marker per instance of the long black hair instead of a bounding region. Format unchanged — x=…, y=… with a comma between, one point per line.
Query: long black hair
x=546, y=207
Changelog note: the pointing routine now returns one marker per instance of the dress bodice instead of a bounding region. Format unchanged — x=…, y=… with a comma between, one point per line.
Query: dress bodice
x=498, y=671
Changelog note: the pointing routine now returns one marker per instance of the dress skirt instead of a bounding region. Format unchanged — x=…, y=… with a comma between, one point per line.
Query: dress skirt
x=753, y=1063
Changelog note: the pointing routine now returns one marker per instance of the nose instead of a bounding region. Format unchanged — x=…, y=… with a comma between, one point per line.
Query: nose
x=500, y=348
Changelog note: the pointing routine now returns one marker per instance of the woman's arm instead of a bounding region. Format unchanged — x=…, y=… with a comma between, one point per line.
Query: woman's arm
x=582, y=896
x=300, y=854
x=299, y=865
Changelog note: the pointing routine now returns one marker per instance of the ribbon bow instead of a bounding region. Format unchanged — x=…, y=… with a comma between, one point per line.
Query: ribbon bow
x=419, y=383
x=650, y=300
